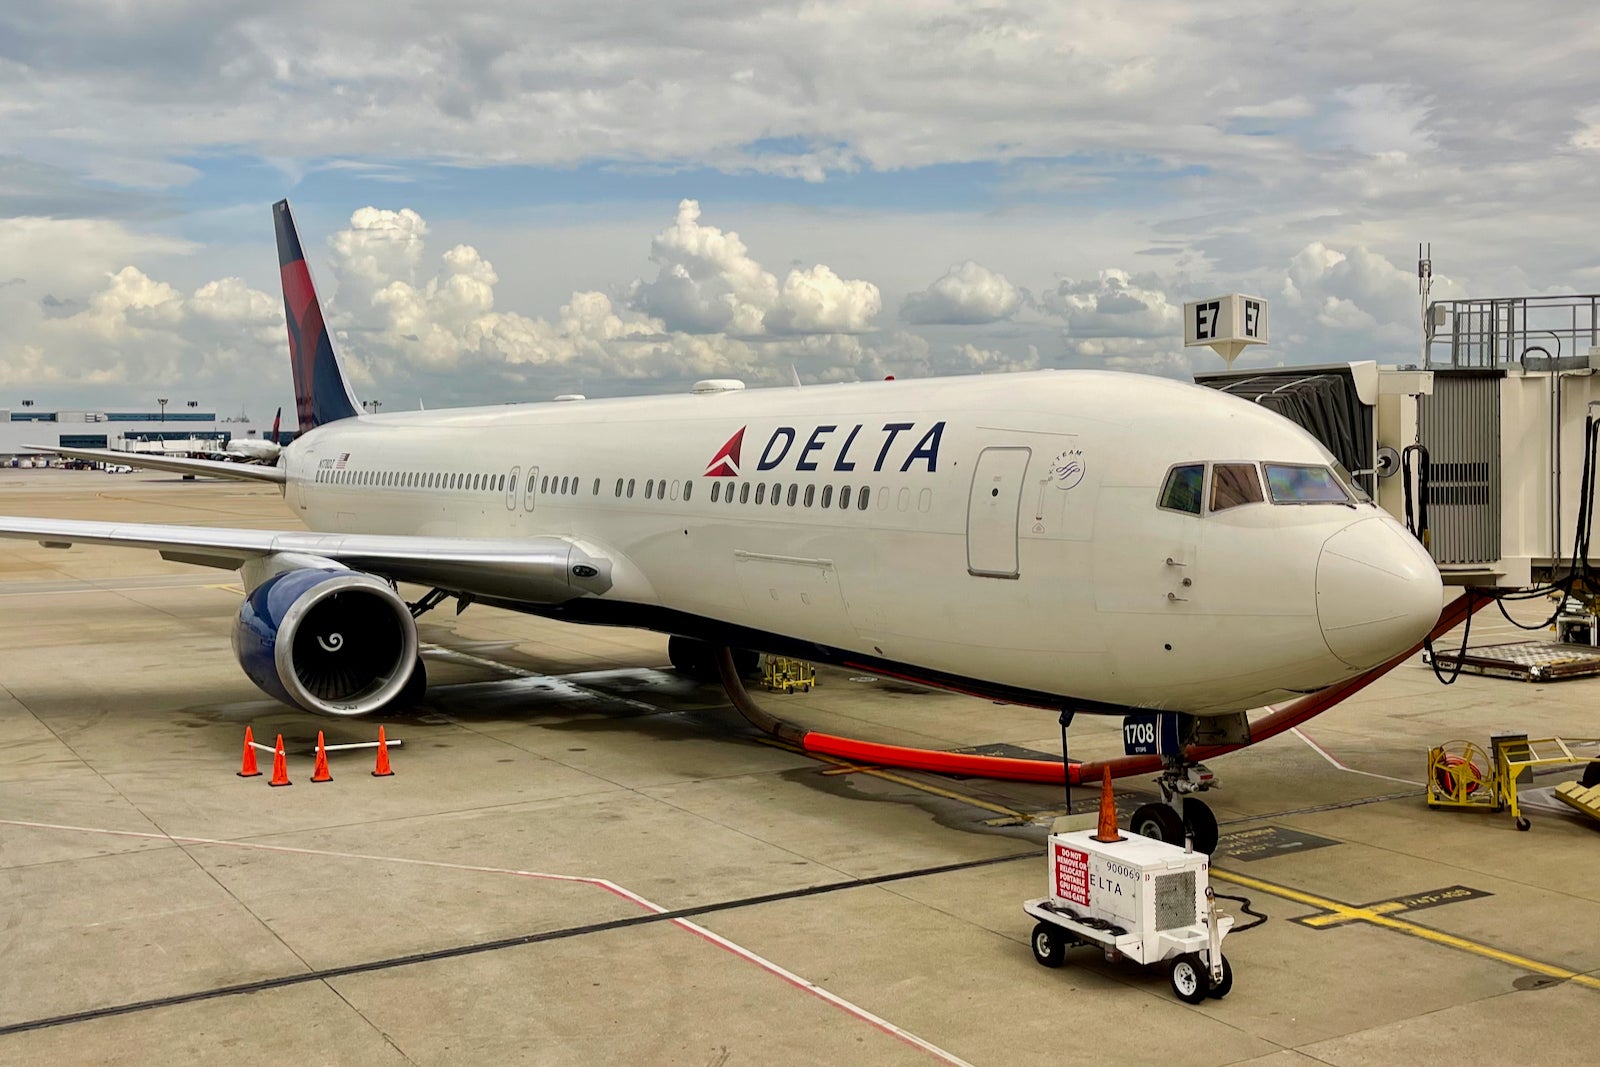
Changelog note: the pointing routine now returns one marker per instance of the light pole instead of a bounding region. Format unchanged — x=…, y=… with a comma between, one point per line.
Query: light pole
x=373, y=405
x=163, y=402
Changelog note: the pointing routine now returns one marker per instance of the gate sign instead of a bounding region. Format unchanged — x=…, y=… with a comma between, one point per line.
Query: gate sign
x=1225, y=323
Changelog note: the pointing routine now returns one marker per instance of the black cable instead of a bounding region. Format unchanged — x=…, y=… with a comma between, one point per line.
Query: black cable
x=1257, y=918
x=1461, y=656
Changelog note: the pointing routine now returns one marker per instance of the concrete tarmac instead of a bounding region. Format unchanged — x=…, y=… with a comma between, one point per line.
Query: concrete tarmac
x=584, y=858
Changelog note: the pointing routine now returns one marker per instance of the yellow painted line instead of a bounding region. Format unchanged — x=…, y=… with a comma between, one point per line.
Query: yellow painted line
x=845, y=766
x=1341, y=912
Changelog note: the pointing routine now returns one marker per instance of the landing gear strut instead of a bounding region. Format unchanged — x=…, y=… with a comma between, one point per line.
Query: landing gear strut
x=1181, y=812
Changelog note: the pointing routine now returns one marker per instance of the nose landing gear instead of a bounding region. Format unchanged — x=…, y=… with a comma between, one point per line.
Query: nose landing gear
x=1181, y=813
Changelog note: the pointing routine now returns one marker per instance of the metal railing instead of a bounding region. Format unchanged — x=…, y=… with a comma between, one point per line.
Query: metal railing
x=1501, y=331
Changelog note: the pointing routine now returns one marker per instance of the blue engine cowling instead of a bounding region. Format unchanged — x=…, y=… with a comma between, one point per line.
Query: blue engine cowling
x=333, y=641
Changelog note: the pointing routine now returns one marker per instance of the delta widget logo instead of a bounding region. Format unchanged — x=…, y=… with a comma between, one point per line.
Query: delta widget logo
x=725, y=464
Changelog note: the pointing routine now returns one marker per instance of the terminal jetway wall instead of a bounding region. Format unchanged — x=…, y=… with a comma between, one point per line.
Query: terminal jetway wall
x=1505, y=447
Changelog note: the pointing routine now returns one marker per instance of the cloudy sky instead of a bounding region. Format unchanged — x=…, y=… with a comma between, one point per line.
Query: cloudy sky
x=508, y=202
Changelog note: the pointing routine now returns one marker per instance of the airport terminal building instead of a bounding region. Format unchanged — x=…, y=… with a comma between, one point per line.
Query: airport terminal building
x=188, y=428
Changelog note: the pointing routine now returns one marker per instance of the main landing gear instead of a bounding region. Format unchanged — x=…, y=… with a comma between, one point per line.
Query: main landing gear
x=1180, y=814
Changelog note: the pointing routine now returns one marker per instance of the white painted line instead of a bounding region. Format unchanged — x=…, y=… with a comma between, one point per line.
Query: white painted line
x=553, y=679
x=802, y=984
x=1325, y=754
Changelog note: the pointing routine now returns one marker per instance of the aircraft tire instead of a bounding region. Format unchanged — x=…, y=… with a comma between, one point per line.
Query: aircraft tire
x=1049, y=945
x=1202, y=824
x=1157, y=821
x=1191, y=979
x=1591, y=775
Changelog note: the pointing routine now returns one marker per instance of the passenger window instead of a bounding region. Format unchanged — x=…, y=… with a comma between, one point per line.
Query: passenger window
x=630, y=488
x=1233, y=484
x=1294, y=484
x=716, y=492
x=811, y=495
x=1182, y=491
x=649, y=488
x=861, y=501
x=925, y=500
x=744, y=493
x=688, y=490
x=761, y=491
x=827, y=496
x=844, y=497
x=596, y=487
x=794, y=490
x=674, y=489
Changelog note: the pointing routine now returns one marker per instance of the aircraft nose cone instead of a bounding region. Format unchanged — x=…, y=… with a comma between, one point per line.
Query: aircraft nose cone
x=1378, y=592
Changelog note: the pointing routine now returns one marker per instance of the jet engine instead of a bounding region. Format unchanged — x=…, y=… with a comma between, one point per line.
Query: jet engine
x=334, y=641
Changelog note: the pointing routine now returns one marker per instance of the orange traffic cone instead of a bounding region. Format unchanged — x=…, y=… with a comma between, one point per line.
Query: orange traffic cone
x=1108, y=813
x=320, y=772
x=247, y=766
x=382, y=769
x=280, y=766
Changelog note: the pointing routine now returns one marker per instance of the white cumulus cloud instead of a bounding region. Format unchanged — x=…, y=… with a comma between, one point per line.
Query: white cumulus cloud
x=707, y=282
x=967, y=294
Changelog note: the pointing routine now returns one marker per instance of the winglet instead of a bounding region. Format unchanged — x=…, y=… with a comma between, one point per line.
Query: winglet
x=321, y=391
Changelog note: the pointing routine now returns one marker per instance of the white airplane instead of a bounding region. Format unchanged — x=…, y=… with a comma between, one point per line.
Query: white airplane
x=1078, y=540
x=253, y=450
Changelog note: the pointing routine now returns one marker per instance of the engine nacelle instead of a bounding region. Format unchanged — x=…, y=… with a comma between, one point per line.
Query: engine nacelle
x=333, y=641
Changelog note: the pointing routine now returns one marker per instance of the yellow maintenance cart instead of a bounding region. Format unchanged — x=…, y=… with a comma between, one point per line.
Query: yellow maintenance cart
x=1463, y=775
x=779, y=674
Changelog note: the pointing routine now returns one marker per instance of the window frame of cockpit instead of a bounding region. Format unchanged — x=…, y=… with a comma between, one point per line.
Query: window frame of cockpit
x=1213, y=467
x=1349, y=499
x=1200, y=499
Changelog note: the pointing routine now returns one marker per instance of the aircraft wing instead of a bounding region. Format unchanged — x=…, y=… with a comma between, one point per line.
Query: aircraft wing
x=210, y=468
x=545, y=570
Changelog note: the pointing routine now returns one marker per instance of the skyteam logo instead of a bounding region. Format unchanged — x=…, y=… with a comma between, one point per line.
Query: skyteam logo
x=837, y=448
x=725, y=464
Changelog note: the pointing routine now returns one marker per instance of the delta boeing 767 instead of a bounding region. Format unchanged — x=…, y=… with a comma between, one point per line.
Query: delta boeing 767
x=1081, y=540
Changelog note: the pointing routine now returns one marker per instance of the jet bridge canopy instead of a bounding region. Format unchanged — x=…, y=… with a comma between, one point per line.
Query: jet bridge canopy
x=1327, y=401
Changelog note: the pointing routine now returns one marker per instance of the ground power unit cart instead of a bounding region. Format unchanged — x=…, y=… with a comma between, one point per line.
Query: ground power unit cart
x=1135, y=898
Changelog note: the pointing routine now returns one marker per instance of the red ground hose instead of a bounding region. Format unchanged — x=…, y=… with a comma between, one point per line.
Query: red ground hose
x=1284, y=717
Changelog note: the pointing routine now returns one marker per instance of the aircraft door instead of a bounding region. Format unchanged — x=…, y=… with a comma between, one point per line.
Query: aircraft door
x=531, y=489
x=992, y=512
x=512, y=487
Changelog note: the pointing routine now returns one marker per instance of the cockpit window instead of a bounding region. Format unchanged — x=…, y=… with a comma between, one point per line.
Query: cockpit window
x=1351, y=485
x=1233, y=484
x=1183, y=487
x=1304, y=485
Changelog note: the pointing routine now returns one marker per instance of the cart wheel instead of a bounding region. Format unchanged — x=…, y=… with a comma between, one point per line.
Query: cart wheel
x=1523, y=823
x=1049, y=946
x=1224, y=987
x=1202, y=824
x=1158, y=821
x=1191, y=979
x=1591, y=775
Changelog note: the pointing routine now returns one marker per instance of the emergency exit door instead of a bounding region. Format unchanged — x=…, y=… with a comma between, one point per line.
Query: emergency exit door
x=992, y=512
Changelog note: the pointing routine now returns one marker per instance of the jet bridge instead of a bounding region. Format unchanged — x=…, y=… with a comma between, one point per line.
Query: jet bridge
x=1501, y=405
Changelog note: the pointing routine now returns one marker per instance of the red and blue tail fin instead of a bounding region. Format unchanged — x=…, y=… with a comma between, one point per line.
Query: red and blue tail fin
x=277, y=421
x=321, y=390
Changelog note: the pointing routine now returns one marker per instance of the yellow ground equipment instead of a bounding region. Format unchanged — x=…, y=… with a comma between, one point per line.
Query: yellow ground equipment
x=1463, y=775
x=780, y=674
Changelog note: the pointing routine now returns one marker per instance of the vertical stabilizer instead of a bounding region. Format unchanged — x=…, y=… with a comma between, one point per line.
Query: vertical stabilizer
x=321, y=391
